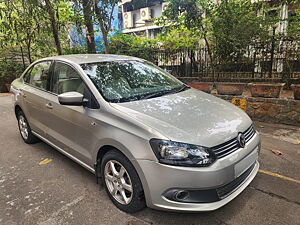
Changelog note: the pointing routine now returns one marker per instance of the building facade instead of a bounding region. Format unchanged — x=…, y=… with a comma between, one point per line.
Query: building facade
x=137, y=17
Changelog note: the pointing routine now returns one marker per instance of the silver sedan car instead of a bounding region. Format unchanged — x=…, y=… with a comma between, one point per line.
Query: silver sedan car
x=150, y=139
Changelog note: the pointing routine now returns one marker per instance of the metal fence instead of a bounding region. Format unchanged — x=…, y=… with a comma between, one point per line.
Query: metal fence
x=273, y=61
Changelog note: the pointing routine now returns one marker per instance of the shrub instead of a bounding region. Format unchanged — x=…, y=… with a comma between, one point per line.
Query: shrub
x=9, y=70
x=124, y=44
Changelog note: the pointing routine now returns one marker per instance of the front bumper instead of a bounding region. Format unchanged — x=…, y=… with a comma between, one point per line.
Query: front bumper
x=158, y=179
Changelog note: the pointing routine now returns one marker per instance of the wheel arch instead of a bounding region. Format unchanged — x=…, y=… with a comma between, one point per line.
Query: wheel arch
x=17, y=110
x=108, y=147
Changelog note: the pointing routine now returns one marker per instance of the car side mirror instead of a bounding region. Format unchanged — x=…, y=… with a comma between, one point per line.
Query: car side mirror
x=71, y=98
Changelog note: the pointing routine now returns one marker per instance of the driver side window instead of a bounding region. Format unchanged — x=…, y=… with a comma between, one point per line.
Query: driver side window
x=66, y=79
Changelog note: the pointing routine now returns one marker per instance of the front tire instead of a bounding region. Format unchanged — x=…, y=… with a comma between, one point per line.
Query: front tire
x=122, y=182
x=25, y=129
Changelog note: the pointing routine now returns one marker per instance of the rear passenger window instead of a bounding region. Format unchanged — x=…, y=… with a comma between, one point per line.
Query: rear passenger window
x=39, y=75
x=66, y=79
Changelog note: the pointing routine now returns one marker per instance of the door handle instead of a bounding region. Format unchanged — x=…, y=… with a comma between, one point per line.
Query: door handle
x=49, y=106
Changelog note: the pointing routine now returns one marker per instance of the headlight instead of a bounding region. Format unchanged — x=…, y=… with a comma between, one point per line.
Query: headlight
x=181, y=154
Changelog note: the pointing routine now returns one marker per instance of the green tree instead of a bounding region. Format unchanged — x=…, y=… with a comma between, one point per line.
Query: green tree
x=20, y=23
x=125, y=44
x=26, y=25
x=191, y=14
x=87, y=6
x=54, y=29
x=179, y=38
x=235, y=25
x=293, y=20
x=227, y=27
x=104, y=12
x=60, y=16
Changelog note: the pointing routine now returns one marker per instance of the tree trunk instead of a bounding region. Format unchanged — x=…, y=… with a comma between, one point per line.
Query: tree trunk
x=53, y=26
x=23, y=59
x=88, y=20
x=209, y=54
x=21, y=48
x=104, y=31
x=105, y=42
x=28, y=45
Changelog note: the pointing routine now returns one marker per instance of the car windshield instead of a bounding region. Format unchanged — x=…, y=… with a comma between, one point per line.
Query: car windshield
x=123, y=81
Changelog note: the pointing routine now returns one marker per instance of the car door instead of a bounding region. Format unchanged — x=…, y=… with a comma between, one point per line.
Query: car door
x=71, y=127
x=36, y=85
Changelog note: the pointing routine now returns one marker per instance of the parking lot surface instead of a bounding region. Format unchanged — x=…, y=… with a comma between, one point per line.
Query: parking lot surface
x=62, y=192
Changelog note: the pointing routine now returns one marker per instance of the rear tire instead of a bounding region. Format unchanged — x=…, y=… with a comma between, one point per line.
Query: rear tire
x=25, y=129
x=122, y=182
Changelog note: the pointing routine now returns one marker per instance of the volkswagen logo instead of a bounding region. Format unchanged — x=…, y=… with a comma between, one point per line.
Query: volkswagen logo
x=241, y=140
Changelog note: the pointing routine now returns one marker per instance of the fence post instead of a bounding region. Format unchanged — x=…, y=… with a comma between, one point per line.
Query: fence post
x=272, y=52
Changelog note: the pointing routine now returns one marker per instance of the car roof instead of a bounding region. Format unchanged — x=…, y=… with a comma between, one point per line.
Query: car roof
x=91, y=58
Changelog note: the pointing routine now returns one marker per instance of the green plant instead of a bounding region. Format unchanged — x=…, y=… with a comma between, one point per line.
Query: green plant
x=9, y=70
x=180, y=38
x=124, y=44
x=104, y=13
x=235, y=25
x=226, y=28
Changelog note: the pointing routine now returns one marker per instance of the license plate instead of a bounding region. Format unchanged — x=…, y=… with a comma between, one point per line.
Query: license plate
x=243, y=165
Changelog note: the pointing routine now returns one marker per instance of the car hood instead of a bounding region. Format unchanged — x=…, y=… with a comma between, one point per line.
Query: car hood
x=190, y=116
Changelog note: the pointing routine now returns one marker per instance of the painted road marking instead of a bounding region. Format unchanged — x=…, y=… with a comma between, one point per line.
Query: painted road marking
x=279, y=176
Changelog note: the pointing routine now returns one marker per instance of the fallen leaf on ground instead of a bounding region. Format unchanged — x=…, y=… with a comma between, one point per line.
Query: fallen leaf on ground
x=45, y=161
x=277, y=152
x=261, y=126
x=298, y=141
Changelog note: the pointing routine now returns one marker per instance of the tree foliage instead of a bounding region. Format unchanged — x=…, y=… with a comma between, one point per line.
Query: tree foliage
x=228, y=28
x=179, y=38
x=37, y=28
x=293, y=21
x=104, y=10
x=20, y=25
x=234, y=26
x=87, y=8
x=124, y=44
x=25, y=27
x=191, y=14
x=9, y=71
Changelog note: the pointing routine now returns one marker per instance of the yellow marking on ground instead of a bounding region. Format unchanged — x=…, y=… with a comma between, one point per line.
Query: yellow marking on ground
x=45, y=161
x=279, y=176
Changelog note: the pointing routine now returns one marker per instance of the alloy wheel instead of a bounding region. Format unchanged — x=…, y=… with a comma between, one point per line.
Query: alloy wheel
x=118, y=182
x=23, y=127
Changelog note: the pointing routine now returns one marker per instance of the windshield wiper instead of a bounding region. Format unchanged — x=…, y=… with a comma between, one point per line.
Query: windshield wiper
x=165, y=92
x=182, y=88
x=154, y=95
x=151, y=95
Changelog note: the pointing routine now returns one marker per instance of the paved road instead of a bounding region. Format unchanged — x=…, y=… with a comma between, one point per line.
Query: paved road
x=62, y=192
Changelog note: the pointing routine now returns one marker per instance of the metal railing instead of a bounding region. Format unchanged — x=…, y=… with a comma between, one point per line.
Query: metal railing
x=273, y=61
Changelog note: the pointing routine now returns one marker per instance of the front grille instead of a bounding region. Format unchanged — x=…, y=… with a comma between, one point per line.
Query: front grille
x=232, y=145
x=227, y=189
